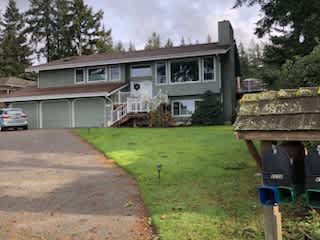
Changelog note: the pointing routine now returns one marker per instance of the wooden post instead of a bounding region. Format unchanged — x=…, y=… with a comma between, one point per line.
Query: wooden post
x=272, y=223
x=272, y=215
x=254, y=152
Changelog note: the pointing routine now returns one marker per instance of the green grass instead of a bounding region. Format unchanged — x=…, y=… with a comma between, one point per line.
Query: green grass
x=208, y=189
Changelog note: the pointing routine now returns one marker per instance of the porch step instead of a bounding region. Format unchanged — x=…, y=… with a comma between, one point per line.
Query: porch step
x=136, y=118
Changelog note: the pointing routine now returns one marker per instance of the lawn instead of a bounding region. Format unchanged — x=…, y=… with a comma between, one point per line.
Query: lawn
x=208, y=183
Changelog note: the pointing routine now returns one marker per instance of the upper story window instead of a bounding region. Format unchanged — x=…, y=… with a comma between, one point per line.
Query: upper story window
x=183, y=71
x=208, y=68
x=79, y=75
x=96, y=74
x=114, y=71
x=141, y=71
x=161, y=75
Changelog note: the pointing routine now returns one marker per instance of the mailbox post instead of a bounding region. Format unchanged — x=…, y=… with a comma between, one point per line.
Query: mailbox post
x=272, y=117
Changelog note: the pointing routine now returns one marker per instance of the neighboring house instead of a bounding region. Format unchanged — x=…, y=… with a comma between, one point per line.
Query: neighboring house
x=11, y=84
x=100, y=90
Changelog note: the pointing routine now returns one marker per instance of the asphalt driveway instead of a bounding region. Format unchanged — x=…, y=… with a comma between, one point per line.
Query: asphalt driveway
x=55, y=186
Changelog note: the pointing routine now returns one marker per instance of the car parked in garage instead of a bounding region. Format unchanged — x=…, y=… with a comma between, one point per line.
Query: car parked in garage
x=13, y=118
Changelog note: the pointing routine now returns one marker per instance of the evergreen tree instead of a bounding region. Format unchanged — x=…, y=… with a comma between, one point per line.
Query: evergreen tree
x=209, y=110
x=244, y=62
x=182, y=42
x=105, y=43
x=86, y=26
x=41, y=27
x=169, y=43
x=119, y=47
x=63, y=35
x=14, y=49
x=293, y=27
x=132, y=47
x=153, y=41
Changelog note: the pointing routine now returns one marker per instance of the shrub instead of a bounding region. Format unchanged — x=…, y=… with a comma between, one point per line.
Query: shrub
x=209, y=111
x=160, y=117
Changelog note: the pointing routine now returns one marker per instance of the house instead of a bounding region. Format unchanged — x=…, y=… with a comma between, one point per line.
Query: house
x=11, y=84
x=100, y=90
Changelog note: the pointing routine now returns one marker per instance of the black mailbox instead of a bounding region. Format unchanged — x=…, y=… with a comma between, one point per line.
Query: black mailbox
x=283, y=169
x=312, y=168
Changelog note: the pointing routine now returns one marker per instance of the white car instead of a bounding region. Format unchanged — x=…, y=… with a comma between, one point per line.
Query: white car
x=13, y=118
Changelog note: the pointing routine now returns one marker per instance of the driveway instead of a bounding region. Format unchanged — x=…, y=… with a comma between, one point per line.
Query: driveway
x=55, y=186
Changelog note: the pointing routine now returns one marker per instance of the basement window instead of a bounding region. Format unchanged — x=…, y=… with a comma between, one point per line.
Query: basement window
x=184, y=108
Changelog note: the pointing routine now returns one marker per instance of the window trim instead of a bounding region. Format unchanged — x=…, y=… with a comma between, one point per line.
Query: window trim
x=189, y=82
x=214, y=69
x=109, y=72
x=140, y=65
x=156, y=73
x=84, y=75
x=96, y=81
x=185, y=115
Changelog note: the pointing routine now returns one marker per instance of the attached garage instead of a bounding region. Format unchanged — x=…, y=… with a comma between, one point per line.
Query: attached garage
x=56, y=114
x=89, y=112
x=32, y=111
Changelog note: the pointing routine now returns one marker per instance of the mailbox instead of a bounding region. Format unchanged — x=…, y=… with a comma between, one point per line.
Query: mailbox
x=283, y=173
x=312, y=170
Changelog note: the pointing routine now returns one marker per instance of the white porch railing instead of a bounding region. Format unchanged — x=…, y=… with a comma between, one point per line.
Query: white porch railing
x=136, y=105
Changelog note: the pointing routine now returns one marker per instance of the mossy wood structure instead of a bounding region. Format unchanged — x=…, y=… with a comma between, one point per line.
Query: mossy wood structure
x=268, y=117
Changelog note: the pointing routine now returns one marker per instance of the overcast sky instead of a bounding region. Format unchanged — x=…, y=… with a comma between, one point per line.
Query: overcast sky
x=135, y=20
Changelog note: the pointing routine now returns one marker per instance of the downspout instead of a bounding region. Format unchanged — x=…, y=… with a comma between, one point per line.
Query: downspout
x=111, y=115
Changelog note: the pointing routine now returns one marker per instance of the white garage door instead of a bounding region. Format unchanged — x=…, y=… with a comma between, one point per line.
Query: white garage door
x=56, y=114
x=89, y=112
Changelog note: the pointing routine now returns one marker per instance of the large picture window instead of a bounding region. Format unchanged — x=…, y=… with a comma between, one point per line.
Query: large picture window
x=184, y=108
x=208, y=69
x=96, y=74
x=161, y=73
x=141, y=71
x=185, y=71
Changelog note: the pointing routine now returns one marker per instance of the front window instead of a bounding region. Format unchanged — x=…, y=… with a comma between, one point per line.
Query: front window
x=96, y=74
x=185, y=71
x=208, y=69
x=161, y=73
x=80, y=75
x=114, y=73
x=185, y=107
x=141, y=71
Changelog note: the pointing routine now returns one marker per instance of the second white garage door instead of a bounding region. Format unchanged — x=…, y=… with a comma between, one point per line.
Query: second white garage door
x=89, y=112
x=56, y=114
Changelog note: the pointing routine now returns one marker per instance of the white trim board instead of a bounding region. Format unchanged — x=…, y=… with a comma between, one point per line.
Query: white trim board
x=127, y=60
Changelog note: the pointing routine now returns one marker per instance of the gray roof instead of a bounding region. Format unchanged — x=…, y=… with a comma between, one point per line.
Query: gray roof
x=135, y=56
x=16, y=82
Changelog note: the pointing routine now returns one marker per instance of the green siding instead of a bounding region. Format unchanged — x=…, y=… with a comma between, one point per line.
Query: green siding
x=89, y=112
x=56, y=78
x=56, y=114
x=65, y=77
x=32, y=111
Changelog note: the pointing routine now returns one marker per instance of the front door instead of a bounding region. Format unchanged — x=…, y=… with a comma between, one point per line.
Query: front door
x=142, y=89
